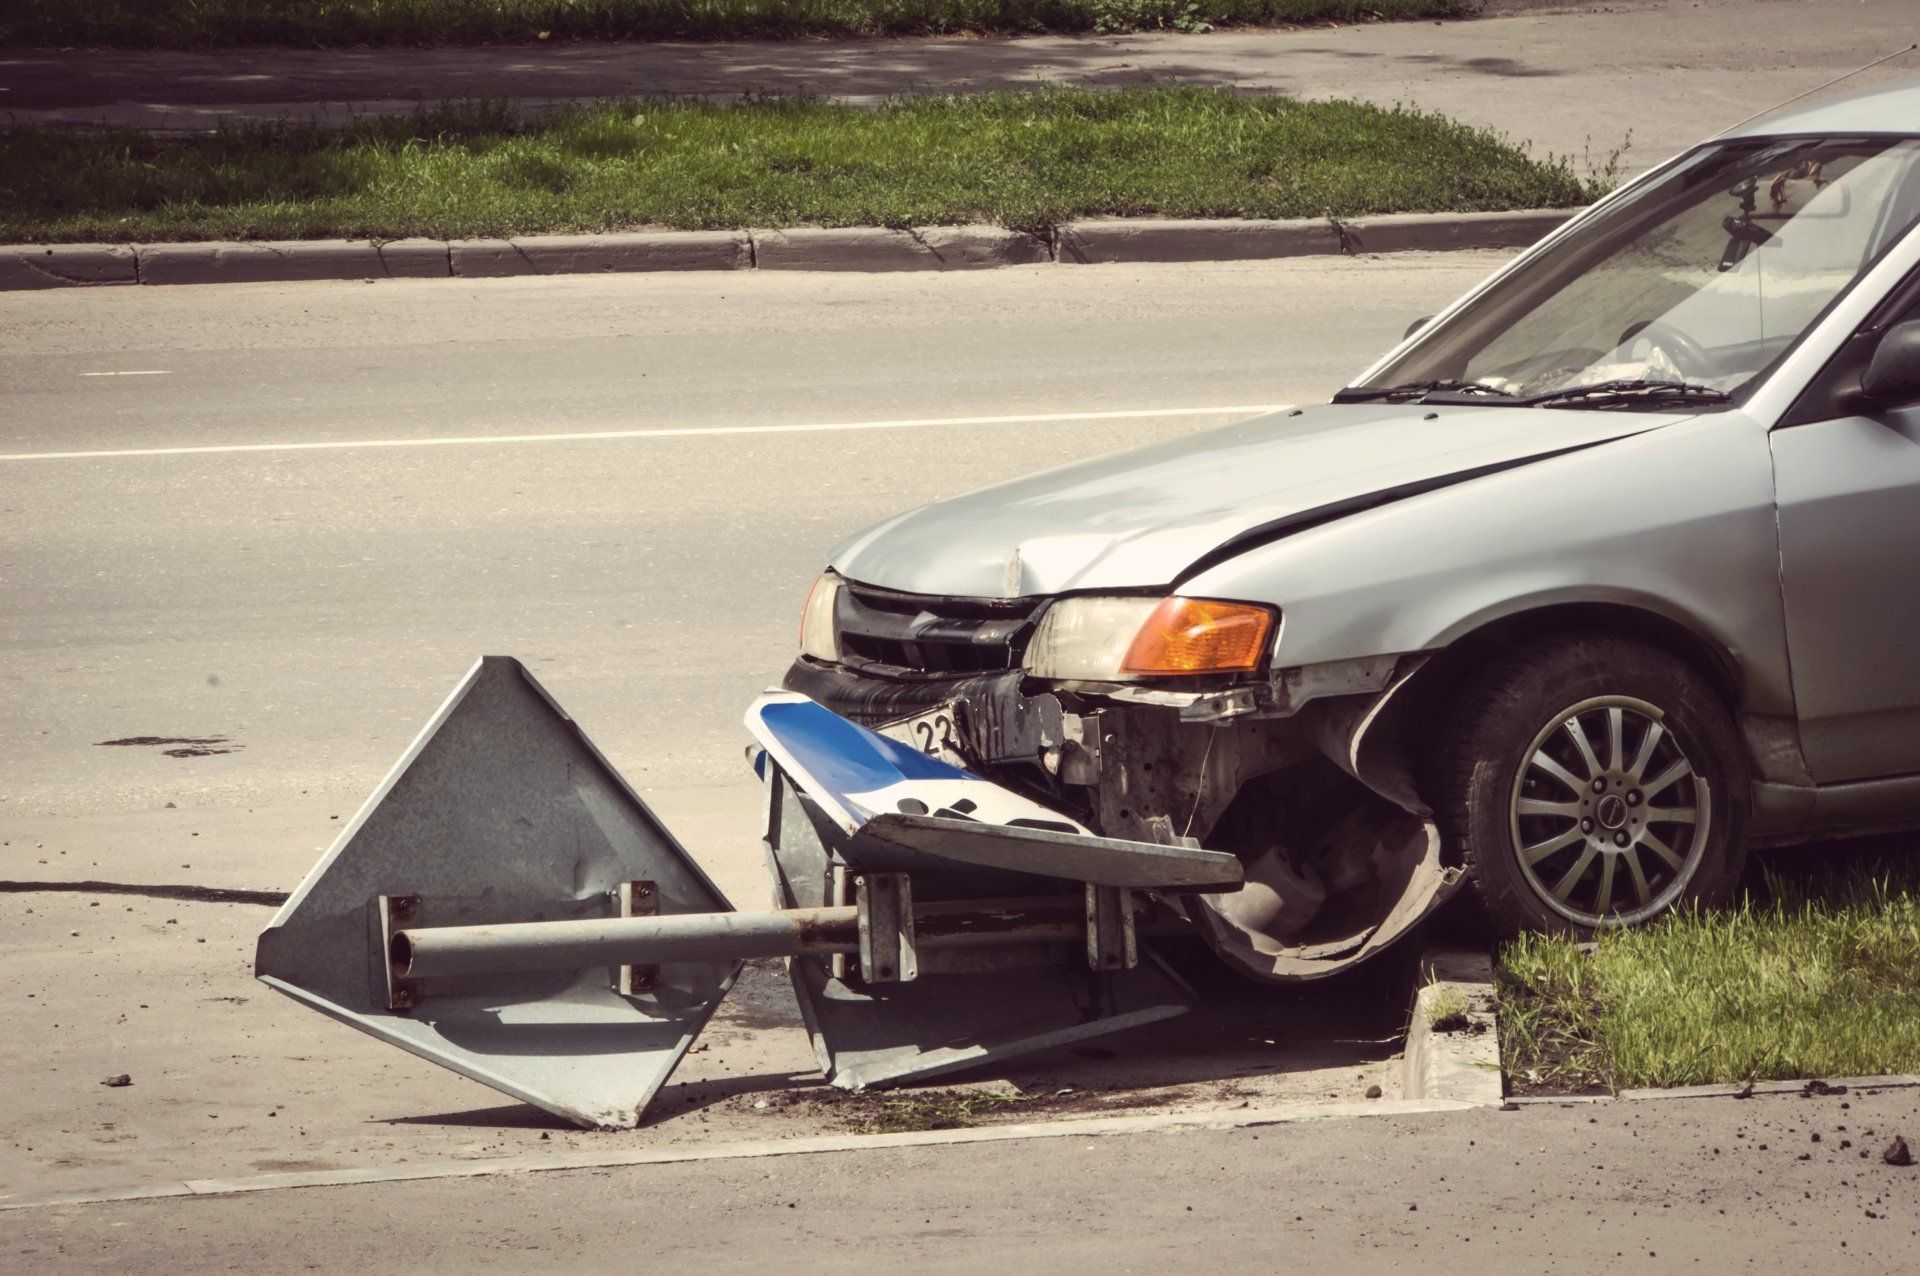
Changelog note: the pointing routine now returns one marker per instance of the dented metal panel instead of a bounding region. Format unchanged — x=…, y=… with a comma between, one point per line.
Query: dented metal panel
x=867, y=1035
x=1142, y=518
x=502, y=811
x=1849, y=520
x=965, y=1007
x=903, y=810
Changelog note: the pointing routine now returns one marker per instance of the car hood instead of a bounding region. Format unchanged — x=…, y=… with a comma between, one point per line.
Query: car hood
x=1140, y=519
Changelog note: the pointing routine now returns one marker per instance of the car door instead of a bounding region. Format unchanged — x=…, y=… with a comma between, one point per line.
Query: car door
x=1847, y=484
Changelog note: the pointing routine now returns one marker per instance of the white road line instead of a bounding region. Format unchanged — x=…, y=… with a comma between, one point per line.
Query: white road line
x=690, y=432
x=148, y=372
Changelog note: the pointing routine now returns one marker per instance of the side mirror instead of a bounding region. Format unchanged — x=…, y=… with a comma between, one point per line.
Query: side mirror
x=1893, y=374
x=1416, y=325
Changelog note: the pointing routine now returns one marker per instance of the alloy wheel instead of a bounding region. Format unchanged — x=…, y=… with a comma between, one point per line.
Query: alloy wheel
x=1609, y=817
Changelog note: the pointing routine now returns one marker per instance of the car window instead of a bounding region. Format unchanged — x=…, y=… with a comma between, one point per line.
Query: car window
x=1781, y=285
x=1706, y=275
x=1831, y=392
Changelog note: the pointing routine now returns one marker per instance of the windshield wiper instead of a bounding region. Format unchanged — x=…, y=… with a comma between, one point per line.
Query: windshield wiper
x=1629, y=392
x=1417, y=390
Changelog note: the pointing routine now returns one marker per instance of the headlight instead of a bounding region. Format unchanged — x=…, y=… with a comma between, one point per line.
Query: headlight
x=817, y=637
x=1121, y=639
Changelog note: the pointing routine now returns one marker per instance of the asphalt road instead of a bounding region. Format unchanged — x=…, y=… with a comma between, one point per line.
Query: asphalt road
x=310, y=606
x=282, y=520
x=1577, y=80
x=290, y=515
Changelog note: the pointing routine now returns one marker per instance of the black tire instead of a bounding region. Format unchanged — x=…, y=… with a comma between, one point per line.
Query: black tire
x=1492, y=782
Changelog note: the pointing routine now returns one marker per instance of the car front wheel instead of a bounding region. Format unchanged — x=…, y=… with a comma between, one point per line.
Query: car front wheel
x=1590, y=782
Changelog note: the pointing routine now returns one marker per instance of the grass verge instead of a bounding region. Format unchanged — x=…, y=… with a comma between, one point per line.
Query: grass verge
x=194, y=24
x=1027, y=160
x=1822, y=980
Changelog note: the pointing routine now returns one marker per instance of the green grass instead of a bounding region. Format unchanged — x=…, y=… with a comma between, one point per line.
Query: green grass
x=1822, y=980
x=1027, y=160
x=307, y=23
x=1447, y=1009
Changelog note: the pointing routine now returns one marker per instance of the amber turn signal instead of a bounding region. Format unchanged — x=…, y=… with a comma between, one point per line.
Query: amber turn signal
x=1197, y=635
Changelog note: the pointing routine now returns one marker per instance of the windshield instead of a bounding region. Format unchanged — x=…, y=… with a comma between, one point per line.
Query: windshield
x=1690, y=286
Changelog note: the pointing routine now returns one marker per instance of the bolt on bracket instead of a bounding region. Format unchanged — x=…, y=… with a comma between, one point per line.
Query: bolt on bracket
x=636, y=899
x=885, y=901
x=386, y=914
x=1111, y=938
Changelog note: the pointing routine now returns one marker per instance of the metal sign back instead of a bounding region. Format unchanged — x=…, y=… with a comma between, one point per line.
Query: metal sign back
x=503, y=810
x=871, y=1035
x=956, y=1014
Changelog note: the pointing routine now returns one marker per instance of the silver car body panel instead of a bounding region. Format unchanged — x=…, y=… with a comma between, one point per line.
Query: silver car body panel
x=1140, y=519
x=1678, y=521
x=1890, y=107
x=1848, y=507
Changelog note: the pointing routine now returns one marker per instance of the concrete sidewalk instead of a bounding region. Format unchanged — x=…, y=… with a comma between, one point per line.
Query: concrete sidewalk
x=1700, y=1185
x=1571, y=81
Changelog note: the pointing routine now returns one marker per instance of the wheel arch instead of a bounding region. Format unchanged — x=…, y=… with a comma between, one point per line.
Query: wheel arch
x=1416, y=706
x=1476, y=642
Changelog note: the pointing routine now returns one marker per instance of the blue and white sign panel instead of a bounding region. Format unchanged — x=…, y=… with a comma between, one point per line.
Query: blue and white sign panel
x=855, y=774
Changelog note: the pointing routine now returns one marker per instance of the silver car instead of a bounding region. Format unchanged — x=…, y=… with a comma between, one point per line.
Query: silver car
x=1602, y=575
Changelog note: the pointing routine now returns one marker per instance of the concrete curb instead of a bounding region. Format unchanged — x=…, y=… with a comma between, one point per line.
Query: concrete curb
x=875, y=248
x=1461, y=1065
x=1138, y=239
x=67, y=266
x=1404, y=233
x=257, y=263
x=598, y=254
x=859, y=248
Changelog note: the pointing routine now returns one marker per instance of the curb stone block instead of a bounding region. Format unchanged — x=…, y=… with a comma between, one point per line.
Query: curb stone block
x=1140, y=239
x=1462, y=1065
x=875, y=248
x=229, y=263
x=977, y=247
x=66, y=265
x=656, y=250
x=1424, y=232
x=487, y=259
x=871, y=248
x=415, y=258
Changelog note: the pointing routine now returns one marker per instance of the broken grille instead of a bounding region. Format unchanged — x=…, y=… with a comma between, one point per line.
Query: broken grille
x=920, y=633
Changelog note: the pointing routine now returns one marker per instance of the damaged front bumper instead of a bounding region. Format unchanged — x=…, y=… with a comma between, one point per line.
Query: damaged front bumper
x=1301, y=776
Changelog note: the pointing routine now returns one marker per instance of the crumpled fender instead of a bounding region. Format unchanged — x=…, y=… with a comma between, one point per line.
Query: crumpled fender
x=1400, y=830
